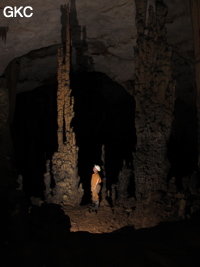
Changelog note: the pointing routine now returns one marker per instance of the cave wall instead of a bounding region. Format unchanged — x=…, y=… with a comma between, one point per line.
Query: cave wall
x=6, y=155
x=195, y=7
x=103, y=36
x=6, y=162
x=183, y=143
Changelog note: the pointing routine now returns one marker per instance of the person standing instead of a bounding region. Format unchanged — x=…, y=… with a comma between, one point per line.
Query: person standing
x=95, y=187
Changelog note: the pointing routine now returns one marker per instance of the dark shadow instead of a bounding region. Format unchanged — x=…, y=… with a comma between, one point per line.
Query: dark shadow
x=34, y=134
x=183, y=143
x=47, y=220
x=46, y=236
x=104, y=114
x=50, y=243
x=63, y=20
x=82, y=62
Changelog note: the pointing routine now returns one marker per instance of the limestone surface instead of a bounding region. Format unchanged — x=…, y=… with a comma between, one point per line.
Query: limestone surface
x=104, y=35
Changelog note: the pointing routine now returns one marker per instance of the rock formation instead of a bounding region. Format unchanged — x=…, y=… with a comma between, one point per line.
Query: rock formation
x=104, y=35
x=154, y=96
x=64, y=162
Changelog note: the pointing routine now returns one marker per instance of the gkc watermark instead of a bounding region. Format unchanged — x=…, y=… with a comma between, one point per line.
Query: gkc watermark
x=13, y=12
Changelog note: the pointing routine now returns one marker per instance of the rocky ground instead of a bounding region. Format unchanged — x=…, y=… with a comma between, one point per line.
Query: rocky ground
x=49, y=235
x=107, y=219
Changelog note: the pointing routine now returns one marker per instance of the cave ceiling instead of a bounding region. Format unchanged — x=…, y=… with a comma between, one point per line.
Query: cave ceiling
x=103, y=37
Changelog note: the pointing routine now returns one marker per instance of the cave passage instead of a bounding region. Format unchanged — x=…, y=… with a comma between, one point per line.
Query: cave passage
x=104, y=115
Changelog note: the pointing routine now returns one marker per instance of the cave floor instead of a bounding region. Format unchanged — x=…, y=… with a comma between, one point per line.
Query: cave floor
x=49, y=237
x=105, y=220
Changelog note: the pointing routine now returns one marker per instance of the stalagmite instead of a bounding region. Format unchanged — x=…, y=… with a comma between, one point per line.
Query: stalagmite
x=64, y=161
x=154, y=96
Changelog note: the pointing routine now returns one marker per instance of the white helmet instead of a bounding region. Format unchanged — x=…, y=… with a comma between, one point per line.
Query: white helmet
x=97, y=167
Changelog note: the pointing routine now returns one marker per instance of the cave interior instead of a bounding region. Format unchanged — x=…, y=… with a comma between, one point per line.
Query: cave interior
x=81, y=101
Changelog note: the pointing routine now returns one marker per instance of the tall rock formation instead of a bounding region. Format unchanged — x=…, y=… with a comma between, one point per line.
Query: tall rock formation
x=154, y=96
x=64, y=162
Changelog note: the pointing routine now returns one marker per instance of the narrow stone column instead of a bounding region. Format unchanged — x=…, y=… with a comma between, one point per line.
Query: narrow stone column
x=64, y=161
x=195, y=15
x=154, y=96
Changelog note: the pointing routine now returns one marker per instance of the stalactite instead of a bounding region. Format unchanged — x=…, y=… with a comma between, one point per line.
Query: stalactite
x=154, y=96
x=64, y=161
x=3, y=33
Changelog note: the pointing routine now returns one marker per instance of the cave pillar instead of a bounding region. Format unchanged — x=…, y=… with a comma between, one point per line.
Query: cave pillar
x=154, y=96
x=64, y=161
x=195, y=11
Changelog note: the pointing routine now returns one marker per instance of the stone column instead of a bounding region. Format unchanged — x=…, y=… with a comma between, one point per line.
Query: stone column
x=64, y=161
x=195, y=15
x=154, y=96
